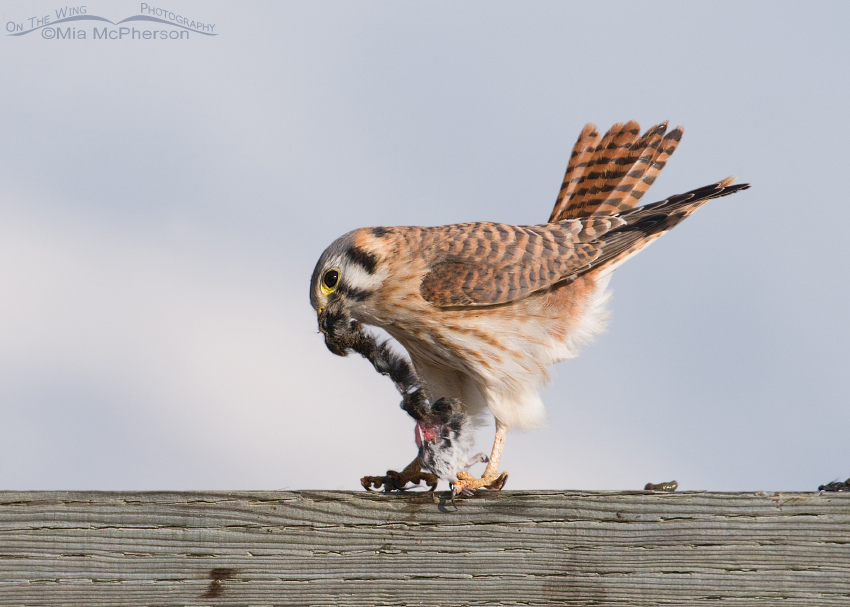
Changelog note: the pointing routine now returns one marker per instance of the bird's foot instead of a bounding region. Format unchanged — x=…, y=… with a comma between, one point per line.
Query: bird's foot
x=467, y=484
x=397, y=481
x=478, y=458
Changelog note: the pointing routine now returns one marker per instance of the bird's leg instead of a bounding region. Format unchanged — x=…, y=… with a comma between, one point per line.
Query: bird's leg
x=397, y=481
x=498, y=444
x=466, y=483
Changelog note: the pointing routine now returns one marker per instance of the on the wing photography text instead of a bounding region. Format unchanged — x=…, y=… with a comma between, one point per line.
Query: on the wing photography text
x=66, y=23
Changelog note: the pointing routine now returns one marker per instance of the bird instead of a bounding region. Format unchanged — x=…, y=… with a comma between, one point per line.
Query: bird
x=483, y=309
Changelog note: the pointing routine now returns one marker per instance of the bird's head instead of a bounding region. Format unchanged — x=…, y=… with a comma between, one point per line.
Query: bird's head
x=344, y=280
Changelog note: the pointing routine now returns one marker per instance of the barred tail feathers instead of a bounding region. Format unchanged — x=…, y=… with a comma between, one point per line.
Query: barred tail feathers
x=610, y=174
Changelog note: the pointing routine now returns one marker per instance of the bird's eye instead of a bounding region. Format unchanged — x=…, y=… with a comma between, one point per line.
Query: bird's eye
x=330, y=280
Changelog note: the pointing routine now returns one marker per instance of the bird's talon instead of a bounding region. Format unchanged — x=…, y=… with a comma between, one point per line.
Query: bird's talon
x=499, y=482
x=467, y=484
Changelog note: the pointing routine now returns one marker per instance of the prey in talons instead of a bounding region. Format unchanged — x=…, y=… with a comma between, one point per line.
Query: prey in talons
x=443, y=432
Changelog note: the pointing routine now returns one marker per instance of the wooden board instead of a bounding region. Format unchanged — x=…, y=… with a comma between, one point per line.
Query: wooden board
x=343, y=548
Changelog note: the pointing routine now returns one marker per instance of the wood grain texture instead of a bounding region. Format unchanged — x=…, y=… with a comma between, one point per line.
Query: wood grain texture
x=342, y=548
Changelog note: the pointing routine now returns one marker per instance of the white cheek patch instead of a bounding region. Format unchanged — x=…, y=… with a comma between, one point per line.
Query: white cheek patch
x=355, y=276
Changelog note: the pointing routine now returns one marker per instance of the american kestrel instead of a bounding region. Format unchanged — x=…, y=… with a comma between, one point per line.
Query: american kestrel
x=483, y=309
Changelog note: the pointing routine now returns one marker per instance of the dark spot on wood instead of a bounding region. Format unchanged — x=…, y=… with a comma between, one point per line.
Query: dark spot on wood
x=218, y=576
x=668, y=486
x=836, y=486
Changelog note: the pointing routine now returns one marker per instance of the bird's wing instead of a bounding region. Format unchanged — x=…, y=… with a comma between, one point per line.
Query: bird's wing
x=610, y=174
x=485, y=264
x=482, y=264
x=645, y=224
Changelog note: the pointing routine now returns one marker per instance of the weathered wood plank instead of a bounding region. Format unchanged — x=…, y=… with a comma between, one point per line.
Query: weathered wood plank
x=341, y=548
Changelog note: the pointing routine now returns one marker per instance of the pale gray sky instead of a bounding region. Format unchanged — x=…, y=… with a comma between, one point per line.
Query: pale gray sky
x=163, y=202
